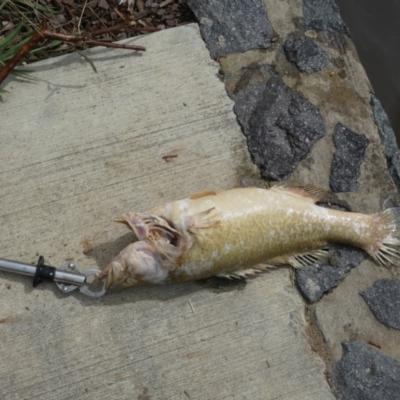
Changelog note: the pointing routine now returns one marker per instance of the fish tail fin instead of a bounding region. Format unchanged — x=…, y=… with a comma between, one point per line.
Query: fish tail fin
x=387, y=247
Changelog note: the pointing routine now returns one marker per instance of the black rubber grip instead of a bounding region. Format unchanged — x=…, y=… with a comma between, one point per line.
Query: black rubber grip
x=43, y=272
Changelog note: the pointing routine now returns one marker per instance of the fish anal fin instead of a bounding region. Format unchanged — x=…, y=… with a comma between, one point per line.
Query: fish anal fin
x=309, y=259
x=247, y=272
x=203, y=193
x=278, y=261
x=203, y=220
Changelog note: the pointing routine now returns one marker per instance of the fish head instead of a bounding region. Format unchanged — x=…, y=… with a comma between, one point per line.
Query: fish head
x=138, y=263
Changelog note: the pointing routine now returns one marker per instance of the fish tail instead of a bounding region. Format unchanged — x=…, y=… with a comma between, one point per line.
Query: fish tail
x=386, y=250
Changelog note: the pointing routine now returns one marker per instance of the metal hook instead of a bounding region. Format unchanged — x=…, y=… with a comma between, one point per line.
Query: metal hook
x=72, y=268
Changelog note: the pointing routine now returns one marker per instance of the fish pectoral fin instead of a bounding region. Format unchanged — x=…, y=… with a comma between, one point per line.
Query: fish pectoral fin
x=202, y=193
x=203, y=220
x=309, y=259
x=246, y=273
x=313, y=193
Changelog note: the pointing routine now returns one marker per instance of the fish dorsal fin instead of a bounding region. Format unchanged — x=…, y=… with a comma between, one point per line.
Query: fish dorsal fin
x=314, y=193
x=202, y=193
x=308, y=191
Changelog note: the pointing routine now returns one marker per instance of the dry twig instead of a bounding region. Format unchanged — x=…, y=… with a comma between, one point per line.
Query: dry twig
x=87, y=38
x=24, y=50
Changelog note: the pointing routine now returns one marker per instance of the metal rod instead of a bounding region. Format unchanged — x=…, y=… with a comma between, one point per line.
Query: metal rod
x=17, y=267
x=70, y=278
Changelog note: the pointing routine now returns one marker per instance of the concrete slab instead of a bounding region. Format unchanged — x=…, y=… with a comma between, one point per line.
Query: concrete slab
x=79, y=149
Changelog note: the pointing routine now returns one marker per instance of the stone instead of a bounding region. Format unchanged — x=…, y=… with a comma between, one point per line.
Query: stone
x=365, y=373
x=383, y=298
x=349, y=155
x=246, y=89
x=323, y=15
x=305, y=54
x=281, y=126
x=315, y=282
x=392, y=200
x=230, y=29
x=103, y=4
x=60, y=18
x=384, y=128
x=388, y=138
x=394, y=169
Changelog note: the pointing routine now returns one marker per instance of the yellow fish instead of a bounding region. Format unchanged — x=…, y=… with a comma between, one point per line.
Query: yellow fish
x=238, y=232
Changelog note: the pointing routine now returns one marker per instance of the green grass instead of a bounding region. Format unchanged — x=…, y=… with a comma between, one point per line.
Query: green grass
x=21, y=33
x=35, y=6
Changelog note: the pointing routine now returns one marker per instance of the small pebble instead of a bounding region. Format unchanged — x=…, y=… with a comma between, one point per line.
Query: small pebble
x=103, y=4
x=121, y=36
x=60, y=18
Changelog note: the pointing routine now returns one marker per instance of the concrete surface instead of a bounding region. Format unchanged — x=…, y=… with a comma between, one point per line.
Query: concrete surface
x=77, y=150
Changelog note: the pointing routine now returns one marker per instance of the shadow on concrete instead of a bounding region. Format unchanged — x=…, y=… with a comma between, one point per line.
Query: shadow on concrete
x=104, y=252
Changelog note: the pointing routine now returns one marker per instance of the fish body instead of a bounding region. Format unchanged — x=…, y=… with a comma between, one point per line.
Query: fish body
x=238, y=232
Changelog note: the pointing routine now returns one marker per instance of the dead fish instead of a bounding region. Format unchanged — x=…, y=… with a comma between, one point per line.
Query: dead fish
x=239, y=232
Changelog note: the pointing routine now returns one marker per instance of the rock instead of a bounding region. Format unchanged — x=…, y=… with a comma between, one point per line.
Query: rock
x=393, y=200
x=315, y=282
x=384, y=128
x=103, y=4
x=230, y=29
x=246, y=88
x=383, y=298
x=323, y=15
x=365, y=373
x=60, y=18
x=121, y=36
x=395, y=163
x=349, y=155
x=281, y=126
x=388, y=138
x=394, y=169
x=305, y=54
